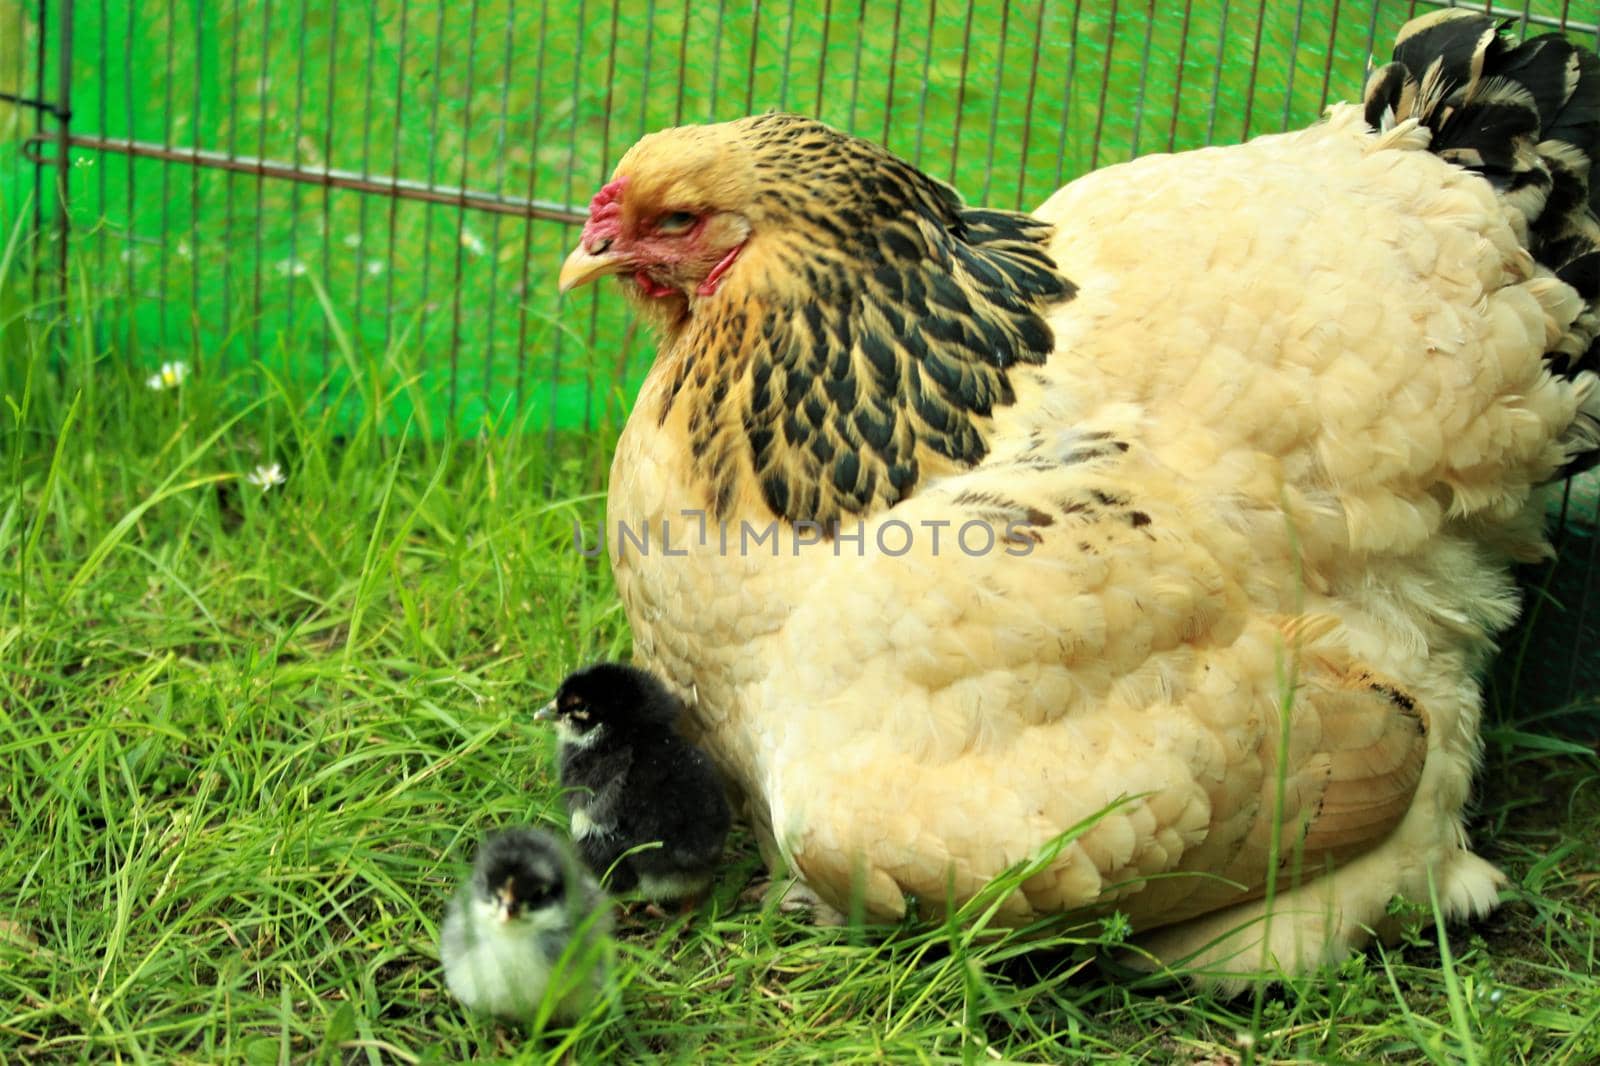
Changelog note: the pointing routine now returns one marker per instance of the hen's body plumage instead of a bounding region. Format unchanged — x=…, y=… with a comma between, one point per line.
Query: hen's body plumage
x=1221, y=486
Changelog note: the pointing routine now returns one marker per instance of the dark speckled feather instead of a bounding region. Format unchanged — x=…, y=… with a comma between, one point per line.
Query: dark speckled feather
x=898, y=341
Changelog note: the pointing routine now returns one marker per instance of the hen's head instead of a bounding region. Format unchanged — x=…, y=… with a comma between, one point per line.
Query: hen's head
x=673, y=219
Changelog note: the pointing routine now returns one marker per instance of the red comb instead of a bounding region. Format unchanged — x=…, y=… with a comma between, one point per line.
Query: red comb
x=605, y=213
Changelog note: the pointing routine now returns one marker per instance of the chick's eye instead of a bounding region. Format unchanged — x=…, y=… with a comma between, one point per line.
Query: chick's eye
x=675, y=222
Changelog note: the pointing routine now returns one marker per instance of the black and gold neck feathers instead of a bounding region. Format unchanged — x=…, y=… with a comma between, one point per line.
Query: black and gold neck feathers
x=876, y=326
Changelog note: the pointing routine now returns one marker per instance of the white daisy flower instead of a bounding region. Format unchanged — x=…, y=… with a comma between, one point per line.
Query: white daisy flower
x=291, y=268
x=264, y=477
x=170, y=376
x=375, y=267
x=472, y=242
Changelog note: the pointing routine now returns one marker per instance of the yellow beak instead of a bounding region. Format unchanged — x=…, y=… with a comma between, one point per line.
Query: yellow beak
x=583, y=266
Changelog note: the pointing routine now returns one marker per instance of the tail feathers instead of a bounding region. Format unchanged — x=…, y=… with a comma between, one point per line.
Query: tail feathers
x=1570, y=144
x=1527, y=118
x=1549, y=67
x=1582, y=438
x=1460, y=46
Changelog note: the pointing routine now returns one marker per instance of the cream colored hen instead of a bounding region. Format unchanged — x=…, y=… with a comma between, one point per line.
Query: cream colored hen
x=1207, y=472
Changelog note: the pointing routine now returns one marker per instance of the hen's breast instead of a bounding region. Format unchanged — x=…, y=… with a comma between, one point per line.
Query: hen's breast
x=703, y=595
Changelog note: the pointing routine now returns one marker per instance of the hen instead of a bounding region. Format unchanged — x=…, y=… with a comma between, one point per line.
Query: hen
x=960, y=527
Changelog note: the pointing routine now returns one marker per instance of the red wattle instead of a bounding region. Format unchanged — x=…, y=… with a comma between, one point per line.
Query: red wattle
x=652, y=287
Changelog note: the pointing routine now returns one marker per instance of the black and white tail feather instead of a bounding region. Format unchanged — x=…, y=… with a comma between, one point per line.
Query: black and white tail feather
x=1526, y=117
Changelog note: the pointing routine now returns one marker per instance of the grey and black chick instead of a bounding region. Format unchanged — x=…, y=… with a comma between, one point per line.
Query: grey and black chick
x=529, y=924
x=632, y=779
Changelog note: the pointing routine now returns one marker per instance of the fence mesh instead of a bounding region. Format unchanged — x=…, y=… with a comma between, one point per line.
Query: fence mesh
x=298, y=183
x=500, y=108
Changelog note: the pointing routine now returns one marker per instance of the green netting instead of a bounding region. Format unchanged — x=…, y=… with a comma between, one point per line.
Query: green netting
x=532, y=100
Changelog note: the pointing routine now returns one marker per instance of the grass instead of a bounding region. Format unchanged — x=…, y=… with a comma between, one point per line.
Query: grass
x=249, y=739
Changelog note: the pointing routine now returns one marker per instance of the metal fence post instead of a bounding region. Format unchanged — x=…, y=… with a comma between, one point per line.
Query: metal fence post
x=36, y=235
x=63, y=114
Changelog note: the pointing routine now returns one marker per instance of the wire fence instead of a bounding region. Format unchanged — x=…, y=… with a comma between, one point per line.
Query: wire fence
x=245, y=178
x=300, y=183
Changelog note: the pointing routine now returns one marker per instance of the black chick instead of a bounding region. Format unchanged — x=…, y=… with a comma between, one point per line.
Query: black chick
x=632, y=780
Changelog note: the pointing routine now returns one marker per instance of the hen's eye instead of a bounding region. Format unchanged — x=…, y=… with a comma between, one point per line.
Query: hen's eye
x=674, y=222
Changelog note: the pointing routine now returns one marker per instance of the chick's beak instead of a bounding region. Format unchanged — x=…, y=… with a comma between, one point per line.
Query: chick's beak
x=508, y=903
x=584, y=266
x=545, y=713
